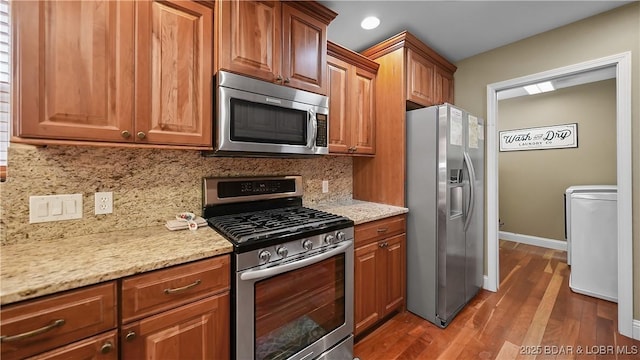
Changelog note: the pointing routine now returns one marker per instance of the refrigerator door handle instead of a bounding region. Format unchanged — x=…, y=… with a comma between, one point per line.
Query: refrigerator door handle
x=472, y=191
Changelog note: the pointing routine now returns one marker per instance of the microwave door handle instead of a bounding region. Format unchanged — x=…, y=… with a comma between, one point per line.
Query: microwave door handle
x=312, y=125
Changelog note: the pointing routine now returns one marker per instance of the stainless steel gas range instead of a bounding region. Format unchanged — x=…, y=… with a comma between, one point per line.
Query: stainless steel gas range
x=292, y=296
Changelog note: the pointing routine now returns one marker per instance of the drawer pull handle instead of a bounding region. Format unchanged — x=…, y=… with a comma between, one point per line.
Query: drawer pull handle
x=131, y=335
x=32, y=333
x=381, y=230
x=181, y=289
x=106, y=347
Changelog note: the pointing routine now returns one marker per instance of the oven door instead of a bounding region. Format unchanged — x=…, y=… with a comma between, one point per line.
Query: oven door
x=253, y=123
x=297, y=309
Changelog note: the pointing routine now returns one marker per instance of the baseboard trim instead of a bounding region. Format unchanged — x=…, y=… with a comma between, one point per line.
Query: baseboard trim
x=485, y=284
x=533, y=240
x=636, y=329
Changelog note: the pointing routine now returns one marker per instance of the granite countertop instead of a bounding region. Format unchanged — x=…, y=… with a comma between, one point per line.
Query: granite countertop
x=361, y=211
x=40, y=268
x=45, y=267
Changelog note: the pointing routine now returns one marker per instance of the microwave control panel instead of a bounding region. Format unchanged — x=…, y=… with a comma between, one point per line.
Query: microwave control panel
x=321, y=138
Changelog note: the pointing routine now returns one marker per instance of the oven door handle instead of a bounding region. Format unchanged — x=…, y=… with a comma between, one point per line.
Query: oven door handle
x=276, y=270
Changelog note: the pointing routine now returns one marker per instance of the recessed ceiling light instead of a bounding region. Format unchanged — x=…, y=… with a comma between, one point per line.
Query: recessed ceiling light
x=539, y=88
x=546, y=86
x=532, y=89
x=370, y=22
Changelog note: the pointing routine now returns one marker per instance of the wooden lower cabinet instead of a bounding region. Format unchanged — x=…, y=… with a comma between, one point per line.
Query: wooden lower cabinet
x=181, y=312
x=379, y=274
x=199, y=330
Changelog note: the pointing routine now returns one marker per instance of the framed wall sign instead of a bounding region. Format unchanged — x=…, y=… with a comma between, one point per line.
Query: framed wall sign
x=545, y=137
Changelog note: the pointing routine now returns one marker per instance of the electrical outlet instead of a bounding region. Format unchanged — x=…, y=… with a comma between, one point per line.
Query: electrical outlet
x=325, y=186
x=103, y=202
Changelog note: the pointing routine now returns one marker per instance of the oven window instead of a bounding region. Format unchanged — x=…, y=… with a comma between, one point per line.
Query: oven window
x=296, y=308
x=256, y=122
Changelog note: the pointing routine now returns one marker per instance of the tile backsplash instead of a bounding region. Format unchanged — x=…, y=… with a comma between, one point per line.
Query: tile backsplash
x=149, y=186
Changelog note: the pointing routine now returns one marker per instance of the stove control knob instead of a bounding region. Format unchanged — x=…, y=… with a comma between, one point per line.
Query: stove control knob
x=264, y=256
x=307, y=245
x=282, y=251
x=328, y=239
x=340, y=236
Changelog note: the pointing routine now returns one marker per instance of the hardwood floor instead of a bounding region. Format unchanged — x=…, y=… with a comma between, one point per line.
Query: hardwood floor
x=534, y=315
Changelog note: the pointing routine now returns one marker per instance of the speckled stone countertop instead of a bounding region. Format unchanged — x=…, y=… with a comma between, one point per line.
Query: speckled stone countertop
x=361, y=211
x=45, y=267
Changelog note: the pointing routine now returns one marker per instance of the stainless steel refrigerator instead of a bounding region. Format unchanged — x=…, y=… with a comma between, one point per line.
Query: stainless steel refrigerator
x=445, y=223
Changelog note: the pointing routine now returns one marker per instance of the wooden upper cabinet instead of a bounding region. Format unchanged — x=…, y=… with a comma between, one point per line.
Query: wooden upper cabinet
x=304, y=50
x=280, y=42
x=174, y=73
x=113, y=72
x=339, y=125
x=351, y=83
x=403, y=82
x=420, y=79
x=74, y=70
x=444, y=86
x=250, y=38
x=363, y=131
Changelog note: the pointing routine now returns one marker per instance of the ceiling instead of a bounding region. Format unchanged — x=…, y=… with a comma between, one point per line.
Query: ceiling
x=456, y=29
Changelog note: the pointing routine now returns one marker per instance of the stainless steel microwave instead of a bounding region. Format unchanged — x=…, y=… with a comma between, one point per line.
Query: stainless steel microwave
x=258, y=118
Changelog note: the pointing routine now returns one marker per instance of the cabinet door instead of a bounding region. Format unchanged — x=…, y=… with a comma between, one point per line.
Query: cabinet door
x=392, y=294
x=339, y=125
x=366, y=287
x=304, y=50
x=444, y=86
x=250, y=38
x=420, y=79
x=74, y=69
x=100, y=347
x=363, y=112
x=174, y=73
x=199, y=330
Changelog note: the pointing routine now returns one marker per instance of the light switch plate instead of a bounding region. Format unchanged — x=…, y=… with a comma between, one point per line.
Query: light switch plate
x=55, y=208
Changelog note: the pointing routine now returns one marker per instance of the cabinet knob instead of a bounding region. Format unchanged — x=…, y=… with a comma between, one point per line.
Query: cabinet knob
x=279, y=78
x=131, y=335
x=106, y=348
x=287, y=80
x=125, y=134
x=141, y=135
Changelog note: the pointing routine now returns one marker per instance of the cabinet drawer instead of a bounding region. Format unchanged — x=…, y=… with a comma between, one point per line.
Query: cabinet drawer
x=40, y=325
x=379, y=229
x=99, y=347
x=156, y=291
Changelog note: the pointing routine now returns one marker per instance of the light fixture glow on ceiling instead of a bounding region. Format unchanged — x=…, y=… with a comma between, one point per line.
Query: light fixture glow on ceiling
x=370, y=22
x=539, y=88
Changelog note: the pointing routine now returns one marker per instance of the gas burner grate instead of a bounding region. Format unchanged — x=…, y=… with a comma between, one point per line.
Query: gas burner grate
x=251, y=226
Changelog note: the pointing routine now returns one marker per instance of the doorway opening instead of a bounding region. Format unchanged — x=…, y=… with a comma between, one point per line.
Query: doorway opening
x=622, y=64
